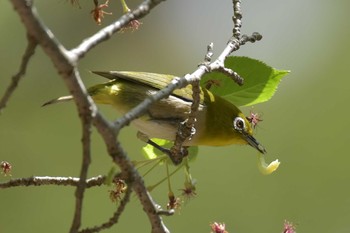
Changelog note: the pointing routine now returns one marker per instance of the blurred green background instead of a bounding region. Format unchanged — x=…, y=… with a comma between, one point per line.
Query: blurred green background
x=305, y=125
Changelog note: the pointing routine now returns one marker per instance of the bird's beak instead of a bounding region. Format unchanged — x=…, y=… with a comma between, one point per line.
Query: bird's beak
x=254, y=143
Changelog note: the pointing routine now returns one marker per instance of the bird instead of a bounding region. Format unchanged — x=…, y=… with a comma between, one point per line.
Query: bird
x=218, y=121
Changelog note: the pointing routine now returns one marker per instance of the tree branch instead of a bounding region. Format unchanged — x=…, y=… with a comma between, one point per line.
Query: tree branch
x=236, y=18
x=47, y=180
x=115, y=218
x=105, y=33
x=186, y=129
x=30, y=50
x=86, y=160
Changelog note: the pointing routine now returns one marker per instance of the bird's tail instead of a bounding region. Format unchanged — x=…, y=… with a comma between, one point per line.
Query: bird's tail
x=58, y=100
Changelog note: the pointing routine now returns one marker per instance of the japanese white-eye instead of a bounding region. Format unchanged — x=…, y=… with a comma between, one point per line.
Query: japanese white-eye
x=219, y=122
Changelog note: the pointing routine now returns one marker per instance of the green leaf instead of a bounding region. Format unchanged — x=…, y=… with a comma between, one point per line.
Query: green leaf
x=151, y=153
x=260, y=81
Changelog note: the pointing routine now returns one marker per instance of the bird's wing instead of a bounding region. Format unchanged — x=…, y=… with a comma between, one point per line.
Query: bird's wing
x=157, y=81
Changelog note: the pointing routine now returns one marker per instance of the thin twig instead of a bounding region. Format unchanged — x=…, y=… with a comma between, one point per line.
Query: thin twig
x=105, y=33
x=48, y=180
x=86, y=120
x=166, y=212
x=30, y=50
x=187, y=128
x=232, y=74
x=210, y=53
x=237, y=18
x=115, y=218
x=233, y=45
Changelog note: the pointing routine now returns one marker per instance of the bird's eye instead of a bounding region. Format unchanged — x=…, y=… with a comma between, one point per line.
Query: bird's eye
x=239, y=124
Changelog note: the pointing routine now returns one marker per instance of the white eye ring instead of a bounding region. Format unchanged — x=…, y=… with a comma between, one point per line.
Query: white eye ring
x=239, y=124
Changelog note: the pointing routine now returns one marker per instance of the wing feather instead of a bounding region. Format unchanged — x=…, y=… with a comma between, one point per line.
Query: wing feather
x=157, y=81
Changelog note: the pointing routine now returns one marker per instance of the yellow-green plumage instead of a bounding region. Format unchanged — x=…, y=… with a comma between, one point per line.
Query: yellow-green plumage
x=219, y=122
x=214, y=126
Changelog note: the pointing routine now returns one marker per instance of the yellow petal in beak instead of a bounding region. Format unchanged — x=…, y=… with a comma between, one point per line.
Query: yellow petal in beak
x=267, y=169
